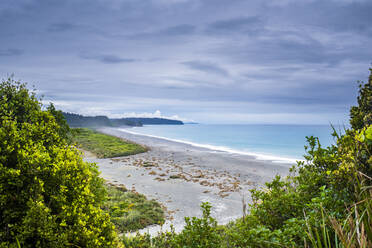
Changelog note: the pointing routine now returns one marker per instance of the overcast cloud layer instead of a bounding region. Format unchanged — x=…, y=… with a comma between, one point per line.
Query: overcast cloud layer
x=212, y=61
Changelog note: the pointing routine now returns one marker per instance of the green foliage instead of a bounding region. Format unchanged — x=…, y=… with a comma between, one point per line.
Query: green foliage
x=248, y=232
x=276, y=204
x=198, y=233
x=105, y=146
x=49, y=197
x=64, y=130
x=355, y=230
x=130, y=211
x=320, y=236
x=361, y=116
x=17, y=103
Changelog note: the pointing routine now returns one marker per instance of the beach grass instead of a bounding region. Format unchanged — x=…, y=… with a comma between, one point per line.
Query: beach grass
x=131, y=211
x=103, y=145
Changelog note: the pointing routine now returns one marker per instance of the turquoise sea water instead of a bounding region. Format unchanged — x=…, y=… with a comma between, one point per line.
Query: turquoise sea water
x=279, y=141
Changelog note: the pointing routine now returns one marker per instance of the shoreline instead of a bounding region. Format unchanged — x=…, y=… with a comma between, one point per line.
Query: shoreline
x=215, y=148
x=181, y=176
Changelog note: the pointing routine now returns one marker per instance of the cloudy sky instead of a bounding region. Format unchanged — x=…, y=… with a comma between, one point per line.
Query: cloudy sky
x=212, y=61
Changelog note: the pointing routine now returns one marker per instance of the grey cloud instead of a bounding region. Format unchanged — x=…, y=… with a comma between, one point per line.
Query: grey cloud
x=172, y=31
x=183, y=29
x=10, y=52
x=337, y=16
x=242, y=25
x=297, y=47
x=354, y=17
x=290, y=50
x=112, y=59
x=270, y=52
x=61, y=27
x=108, y=58
x=206, y=67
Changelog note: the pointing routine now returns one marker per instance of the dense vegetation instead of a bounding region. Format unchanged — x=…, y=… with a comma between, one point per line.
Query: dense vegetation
x=103, y=145
x=49, y=197
x=325, y=202
x=76, y=120
x=130, y=211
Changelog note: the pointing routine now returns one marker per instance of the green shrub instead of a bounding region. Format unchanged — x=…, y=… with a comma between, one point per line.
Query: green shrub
x=200, y=232
x=361, y=115
x=49, y=197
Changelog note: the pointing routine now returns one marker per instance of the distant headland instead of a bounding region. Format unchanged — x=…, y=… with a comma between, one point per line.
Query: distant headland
x=77, y=120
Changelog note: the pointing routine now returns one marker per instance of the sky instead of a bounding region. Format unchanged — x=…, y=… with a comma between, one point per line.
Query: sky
x=209, y=61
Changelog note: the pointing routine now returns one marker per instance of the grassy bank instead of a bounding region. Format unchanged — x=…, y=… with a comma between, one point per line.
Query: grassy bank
x=103, y=145
x=130, y=211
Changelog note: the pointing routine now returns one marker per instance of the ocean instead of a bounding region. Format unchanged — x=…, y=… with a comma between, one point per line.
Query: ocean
x=281, y=143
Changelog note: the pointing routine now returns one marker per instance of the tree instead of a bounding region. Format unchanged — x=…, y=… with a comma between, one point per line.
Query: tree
x=361, y=115
x=49, y=197
x=63, y=130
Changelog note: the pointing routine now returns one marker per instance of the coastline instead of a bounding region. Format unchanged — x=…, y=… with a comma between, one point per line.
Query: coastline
x=182, y=176
x=258, y=156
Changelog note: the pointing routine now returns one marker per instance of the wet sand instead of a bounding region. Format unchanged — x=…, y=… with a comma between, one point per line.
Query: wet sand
x=182, y=176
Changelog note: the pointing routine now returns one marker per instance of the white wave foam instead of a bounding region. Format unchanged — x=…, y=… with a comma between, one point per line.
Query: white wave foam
x=213, y=148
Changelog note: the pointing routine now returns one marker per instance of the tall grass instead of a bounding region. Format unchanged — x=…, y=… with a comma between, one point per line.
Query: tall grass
x=353, y=232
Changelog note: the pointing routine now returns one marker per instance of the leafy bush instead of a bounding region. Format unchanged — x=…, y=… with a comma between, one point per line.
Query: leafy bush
x=361, y=115
x=198, y=233
x=49, y=197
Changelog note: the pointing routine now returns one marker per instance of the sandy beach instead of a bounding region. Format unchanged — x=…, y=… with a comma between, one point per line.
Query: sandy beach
x=182, y=176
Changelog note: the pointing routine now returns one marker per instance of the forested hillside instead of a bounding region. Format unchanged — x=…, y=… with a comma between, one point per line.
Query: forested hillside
x=76, y=120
